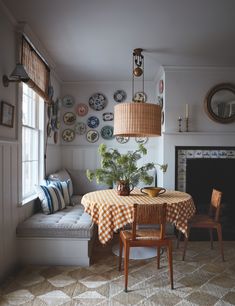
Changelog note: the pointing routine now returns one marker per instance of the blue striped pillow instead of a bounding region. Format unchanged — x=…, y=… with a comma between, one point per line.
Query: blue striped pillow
x=51, y=198
x=63, y=188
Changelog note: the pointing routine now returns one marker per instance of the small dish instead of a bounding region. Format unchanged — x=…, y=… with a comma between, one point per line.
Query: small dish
x=119, y=96
x=140, y=97
x=55, y=137
x=69, y=118
x=122, y=139
x=107, y=132
x=108, y=116
x=82, y=109
x=68, y=135
x=92, y=136
x=93, y=122
x=97, y=101
x=68, y=101
x=141, y=140
x=80, y=128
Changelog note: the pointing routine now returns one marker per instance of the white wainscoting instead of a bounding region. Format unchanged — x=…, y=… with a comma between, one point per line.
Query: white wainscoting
x=11, y=214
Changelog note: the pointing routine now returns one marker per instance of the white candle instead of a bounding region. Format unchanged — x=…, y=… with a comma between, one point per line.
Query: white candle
x=186, y=111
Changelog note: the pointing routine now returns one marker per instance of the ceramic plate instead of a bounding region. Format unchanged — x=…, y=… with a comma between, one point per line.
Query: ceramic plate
x=107, y=132
x=55, y=137
x=82, y=109
x=141, y=140
x=80, y=128
x=97, y=101
x=69, y=118
x=140, y=97
x=50, y=91
x=119, y=96
x=122, y=139
x=93, y=122
x=68, y=101
x=108, y=116
x=92, y=136
x=49, y=129
x=68, y=135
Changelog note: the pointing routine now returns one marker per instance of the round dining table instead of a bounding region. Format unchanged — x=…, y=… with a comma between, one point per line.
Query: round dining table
x=111, y=211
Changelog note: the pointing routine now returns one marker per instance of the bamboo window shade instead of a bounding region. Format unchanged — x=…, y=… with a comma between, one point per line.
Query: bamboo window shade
x=36, y=68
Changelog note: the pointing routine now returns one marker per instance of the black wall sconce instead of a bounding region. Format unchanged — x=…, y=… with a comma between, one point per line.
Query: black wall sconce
x=18, y=74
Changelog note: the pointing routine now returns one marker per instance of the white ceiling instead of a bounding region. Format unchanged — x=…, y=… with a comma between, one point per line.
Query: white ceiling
x=93, y=39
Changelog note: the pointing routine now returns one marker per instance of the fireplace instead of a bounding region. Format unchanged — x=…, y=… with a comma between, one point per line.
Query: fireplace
x=198, y=171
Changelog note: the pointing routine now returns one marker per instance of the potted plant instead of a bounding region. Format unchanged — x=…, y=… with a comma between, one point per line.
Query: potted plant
x=122, y=169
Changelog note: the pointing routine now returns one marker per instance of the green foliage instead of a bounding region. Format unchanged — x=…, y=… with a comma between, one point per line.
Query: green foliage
x=116, y=166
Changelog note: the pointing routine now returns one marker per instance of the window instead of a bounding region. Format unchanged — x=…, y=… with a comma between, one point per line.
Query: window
x=32, y=142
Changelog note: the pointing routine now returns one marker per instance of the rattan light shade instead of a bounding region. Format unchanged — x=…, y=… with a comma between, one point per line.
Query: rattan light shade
x=137, y=119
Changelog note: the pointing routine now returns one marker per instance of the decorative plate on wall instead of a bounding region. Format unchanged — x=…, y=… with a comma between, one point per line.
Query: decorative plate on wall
x=68, y=101
x=108, y=116
x=55, y=137
x=107, y=132
x=119, y=96
x=93, y=122
x=82, y=109
x=141, y=140
x=68, y=135
x=80, y=128
x=98, y=101
x=69, y=118
x=140, y=97
x=92, y=136
x=49, y=129
x=122, y=139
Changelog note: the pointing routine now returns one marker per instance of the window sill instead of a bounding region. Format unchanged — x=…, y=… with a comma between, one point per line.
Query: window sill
x=29, y=199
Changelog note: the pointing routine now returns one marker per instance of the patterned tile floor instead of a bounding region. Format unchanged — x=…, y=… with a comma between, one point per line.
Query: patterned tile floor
x=201, y=280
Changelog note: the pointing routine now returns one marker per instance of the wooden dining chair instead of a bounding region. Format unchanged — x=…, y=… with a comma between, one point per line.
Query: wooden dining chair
x=209, y=221
x=146, y=214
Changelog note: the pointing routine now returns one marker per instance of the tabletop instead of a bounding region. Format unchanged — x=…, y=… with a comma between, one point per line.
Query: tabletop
x=111, y=211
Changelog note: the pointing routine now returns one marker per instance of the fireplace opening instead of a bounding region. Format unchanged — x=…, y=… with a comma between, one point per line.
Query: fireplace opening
x=204, y=174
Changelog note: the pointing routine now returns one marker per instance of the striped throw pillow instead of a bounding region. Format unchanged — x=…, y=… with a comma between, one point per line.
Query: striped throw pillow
x=51, y=198
x=64, y=189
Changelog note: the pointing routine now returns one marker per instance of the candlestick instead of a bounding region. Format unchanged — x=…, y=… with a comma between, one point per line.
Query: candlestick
x=180, y=122
x=186, y=111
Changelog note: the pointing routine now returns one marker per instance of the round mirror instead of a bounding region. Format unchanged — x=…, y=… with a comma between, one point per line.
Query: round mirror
x=220, y=103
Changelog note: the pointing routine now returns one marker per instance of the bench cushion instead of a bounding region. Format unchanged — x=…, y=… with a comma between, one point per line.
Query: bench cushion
x=70, y=222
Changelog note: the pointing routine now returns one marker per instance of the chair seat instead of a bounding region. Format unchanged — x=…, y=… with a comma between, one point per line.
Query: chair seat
x=202, y=221
x=142, y=234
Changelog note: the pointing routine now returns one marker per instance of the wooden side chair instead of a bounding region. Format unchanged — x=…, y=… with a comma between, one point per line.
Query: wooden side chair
x=210, y=221
x=146, y=214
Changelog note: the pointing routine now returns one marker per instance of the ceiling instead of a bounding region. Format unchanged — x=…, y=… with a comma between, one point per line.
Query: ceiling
x=93, y=40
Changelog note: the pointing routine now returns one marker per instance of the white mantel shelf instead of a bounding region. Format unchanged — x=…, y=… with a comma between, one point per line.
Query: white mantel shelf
x=199, y=133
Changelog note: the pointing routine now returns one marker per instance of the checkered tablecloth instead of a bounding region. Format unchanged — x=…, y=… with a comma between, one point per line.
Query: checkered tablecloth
x=111, y=212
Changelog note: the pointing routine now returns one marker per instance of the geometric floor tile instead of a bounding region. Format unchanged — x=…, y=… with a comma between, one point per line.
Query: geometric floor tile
x=19, y=297
x=202, y=298
x=93, y=281
x=61, y=280
x=30, y=279
x=54, y=298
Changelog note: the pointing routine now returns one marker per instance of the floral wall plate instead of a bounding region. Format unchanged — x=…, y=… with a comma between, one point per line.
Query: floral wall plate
x=55, y=137
x=82, y=109
x=68, y=101
x=69, y=118
x=107, y=132
x=140, y=97
x=119, y=96
x=98, y=101
x=108, y=116
x=93, y=122
x=80, y=128
x=141, y=140
x=122, y=139
x=92, y=136
x=68, y=135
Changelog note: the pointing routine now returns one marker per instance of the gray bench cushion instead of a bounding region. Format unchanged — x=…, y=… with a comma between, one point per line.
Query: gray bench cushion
x=70, y=222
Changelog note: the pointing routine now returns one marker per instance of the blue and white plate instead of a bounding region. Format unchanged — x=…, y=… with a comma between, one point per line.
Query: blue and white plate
x=107, y=132
x=108, y=116
x=93, y=122
x=92, y=136
x=98, y=101
x=119, y=96
x=122, y=139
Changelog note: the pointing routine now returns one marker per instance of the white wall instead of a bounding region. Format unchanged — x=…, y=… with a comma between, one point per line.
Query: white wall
x=190, y=85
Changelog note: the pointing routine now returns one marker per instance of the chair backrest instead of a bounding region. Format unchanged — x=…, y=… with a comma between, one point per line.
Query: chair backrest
x=149, y=214
x=215, y=204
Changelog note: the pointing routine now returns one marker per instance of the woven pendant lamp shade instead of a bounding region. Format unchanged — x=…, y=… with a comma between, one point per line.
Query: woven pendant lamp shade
x=137, y=119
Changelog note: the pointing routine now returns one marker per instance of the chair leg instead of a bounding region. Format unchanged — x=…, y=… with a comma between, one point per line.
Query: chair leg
x=158, y=256
x=185, y=243
x=211, y=237
x=219, y=233
x=178, y=239
x=120, y=254
x=126, y=260
x=170, y=263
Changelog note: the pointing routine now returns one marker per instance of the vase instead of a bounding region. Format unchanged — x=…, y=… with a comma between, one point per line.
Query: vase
x=124, y=188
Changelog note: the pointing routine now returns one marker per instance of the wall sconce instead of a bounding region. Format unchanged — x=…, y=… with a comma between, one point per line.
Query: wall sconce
x=18, y=74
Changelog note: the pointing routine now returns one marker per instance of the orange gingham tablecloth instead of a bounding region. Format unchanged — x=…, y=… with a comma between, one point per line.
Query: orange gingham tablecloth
x=111, y=212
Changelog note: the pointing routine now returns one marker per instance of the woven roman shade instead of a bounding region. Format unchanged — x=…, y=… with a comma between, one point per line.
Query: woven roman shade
x=137, y=119
x=36, y=68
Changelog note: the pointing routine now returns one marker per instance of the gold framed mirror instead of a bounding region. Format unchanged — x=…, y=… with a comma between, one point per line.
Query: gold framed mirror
x=220, y=103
